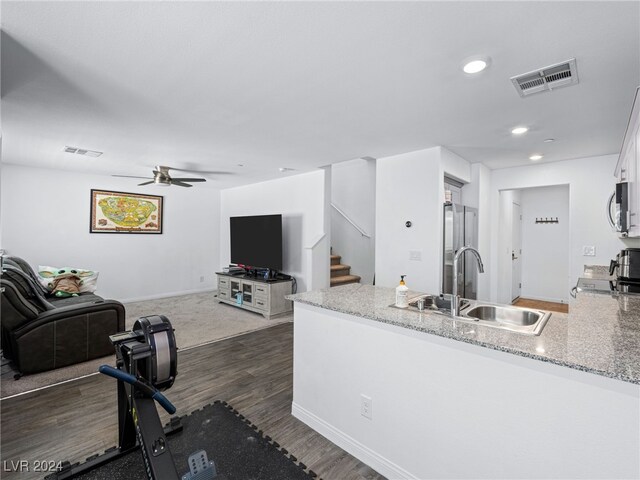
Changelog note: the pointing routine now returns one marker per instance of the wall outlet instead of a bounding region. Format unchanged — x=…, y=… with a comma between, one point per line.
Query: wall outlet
x=201, y=278
x=415, y=255
x=366, y=406
x=589, y=251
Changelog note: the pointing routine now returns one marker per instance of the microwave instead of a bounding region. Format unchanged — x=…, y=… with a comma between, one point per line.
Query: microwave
x=618, y=209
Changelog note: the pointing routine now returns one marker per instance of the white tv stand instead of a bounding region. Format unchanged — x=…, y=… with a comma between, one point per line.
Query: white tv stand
x=255, y=294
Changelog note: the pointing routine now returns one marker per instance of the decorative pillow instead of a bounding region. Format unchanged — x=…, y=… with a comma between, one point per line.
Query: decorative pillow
x=89, y=277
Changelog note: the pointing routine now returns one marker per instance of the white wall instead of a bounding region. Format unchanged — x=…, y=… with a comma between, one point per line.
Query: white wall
x=409, y=187
x=455, y=166
x=442, y=408
x=476, y=194
x=353, y=190
x=590, y=181
x=45, y=220
x=545, y=246
x=301, y=201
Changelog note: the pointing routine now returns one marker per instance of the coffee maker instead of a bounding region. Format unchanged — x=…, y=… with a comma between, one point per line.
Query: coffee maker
x=626, y=266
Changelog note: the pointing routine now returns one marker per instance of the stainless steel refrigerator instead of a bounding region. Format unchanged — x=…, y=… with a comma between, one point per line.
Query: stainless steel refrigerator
x=460, y=229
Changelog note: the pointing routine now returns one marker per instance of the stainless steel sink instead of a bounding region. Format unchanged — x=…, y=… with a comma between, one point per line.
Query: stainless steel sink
x=432, y=303
x=515, y=319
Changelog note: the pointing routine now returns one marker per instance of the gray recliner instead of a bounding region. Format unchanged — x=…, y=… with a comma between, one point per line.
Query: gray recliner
x=41, y=332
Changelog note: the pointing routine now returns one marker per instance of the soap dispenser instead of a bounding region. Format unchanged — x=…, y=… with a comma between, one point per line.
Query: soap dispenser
x=402, y=294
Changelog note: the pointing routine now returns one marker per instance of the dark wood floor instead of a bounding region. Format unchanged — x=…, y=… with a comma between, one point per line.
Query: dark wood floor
x=252, y=372
x=539, y=304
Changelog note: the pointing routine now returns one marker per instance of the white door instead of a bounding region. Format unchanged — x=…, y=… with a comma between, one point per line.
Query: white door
x=516, y=252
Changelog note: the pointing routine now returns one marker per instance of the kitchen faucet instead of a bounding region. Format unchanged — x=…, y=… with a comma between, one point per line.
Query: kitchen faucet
x=455, y=298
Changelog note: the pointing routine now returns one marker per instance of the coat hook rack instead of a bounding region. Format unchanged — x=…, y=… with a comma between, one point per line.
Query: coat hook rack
x=547, y=220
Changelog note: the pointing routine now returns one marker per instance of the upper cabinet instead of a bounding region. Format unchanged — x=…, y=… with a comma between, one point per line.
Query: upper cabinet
x=628, y=171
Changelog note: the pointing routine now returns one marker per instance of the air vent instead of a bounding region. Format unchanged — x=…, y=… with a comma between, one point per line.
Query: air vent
x=546, y=79
x=82, y=151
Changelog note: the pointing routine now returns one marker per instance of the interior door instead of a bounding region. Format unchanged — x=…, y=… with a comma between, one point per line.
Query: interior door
x=516, y=252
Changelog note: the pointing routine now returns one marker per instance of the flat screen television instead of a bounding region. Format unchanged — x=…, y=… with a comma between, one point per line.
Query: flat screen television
x=256, y=241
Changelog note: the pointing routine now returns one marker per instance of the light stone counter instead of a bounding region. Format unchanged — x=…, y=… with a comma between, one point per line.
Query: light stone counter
x=600, y=335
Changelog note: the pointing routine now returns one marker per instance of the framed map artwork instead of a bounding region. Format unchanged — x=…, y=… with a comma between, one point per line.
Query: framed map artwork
x=119, y=212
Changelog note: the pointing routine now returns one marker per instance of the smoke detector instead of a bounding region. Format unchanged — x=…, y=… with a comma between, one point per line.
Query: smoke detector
x=545, y=79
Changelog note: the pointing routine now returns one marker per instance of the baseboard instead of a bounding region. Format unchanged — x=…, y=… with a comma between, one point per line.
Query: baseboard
x=373, y=459
x=167, y=295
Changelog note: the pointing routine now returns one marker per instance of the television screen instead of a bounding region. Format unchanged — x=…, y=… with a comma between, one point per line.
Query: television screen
x=256, y=241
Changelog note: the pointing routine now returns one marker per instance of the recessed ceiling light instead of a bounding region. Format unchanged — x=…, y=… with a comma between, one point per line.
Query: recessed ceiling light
x=285, y=169
x=475, y=65
x=520, y=130
x=535, y=157
x=549, y=140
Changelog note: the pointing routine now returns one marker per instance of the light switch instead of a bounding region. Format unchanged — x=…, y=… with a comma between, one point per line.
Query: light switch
x=415, y=255
x=589, y=251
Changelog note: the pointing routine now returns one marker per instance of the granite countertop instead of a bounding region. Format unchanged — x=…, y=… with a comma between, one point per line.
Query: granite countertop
x=597, y=272
x=600, y=335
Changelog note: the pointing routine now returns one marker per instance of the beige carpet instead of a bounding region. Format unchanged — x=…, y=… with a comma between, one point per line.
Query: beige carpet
x=197, y=319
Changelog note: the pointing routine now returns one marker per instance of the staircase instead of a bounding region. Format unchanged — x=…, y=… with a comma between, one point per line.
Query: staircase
x=341, y=274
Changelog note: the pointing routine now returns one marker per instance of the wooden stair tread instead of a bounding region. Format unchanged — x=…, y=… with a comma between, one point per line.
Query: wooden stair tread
x=344, y=280
x=341, y=274
x=340, y=270
x=339, y=266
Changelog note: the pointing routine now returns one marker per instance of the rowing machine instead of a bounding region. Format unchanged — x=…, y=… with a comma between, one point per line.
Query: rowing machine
x=146, y=361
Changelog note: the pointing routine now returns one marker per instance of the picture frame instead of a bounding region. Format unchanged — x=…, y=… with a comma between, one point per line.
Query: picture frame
x=122, y=212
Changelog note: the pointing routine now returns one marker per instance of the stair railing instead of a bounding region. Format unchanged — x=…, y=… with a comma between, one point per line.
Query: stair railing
x=362, y=232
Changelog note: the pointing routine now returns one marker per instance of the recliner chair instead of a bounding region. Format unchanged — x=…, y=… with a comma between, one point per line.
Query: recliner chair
x=42, y=332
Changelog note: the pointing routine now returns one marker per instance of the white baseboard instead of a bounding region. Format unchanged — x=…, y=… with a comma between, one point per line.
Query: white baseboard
x=166, y=295
x=373, y=459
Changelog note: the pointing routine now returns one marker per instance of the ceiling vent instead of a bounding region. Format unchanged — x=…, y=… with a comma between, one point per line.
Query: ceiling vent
x=82, y=151
x=546, y=79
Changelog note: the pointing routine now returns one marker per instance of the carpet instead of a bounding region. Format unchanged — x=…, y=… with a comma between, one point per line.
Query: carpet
x=240, y=451
x=197, y=318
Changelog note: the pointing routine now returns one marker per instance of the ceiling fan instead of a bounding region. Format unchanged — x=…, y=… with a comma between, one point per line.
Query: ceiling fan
x=161, y=177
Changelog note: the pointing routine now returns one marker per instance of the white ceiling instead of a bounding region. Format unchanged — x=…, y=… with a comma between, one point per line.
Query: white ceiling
x=210, y=85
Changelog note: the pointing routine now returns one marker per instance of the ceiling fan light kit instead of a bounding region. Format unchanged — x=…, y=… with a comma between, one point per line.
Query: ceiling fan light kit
x=159, y=181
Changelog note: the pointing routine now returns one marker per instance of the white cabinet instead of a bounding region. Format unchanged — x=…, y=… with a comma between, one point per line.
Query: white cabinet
x=628, y=168
x=256, y=295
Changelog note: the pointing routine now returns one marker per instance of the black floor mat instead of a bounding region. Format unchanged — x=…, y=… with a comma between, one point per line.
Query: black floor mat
x=238, y=448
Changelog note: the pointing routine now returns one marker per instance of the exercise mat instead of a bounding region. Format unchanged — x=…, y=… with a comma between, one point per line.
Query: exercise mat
x=240, y=451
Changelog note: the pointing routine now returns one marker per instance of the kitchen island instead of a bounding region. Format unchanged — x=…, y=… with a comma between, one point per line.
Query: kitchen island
x=451, y=399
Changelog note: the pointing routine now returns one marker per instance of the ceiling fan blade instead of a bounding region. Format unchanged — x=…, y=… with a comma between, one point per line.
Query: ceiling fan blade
x=204, y=172
x=189, y=179
x=128, y=176
x=145, y=183
x=180, y=184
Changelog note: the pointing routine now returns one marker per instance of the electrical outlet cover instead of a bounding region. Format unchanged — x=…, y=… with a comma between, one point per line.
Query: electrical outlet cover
x=366, y=406
x=589, y=251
